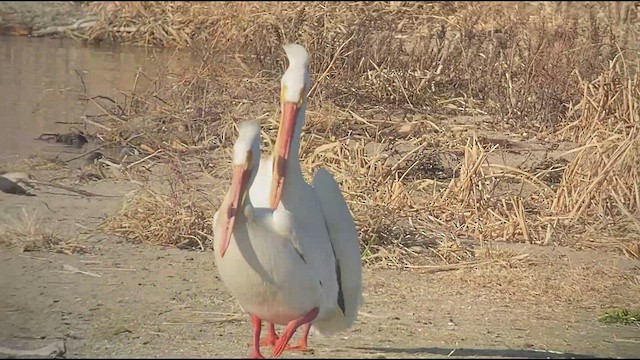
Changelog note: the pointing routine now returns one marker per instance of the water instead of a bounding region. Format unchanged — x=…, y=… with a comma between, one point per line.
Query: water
x=39, y=86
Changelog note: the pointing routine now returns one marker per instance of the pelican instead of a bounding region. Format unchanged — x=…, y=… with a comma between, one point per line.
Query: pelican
x=324, y=225
x=258, y=253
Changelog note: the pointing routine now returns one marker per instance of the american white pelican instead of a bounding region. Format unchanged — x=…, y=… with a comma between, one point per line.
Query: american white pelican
x=257, y=252
x=323, y=222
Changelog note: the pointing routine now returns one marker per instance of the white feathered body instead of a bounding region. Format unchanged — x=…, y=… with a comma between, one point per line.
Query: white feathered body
x=326, y=232
x=263, y=269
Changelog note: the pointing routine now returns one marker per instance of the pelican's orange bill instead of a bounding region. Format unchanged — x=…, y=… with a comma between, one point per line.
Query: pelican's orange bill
x=236, y=194
x=283, y=149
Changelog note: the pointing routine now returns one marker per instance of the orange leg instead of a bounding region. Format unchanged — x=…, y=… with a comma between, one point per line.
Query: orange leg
x=302, y=344
x=291, y=329
x=272, y=337
x=257, y=327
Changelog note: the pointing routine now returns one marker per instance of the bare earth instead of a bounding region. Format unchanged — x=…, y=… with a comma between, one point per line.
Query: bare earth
x=139, y=300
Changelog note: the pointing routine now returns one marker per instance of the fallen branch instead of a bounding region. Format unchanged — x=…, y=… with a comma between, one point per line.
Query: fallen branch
x=114, y=269
x=75, y=270
x=80, y=24
x=68, y=188
x=238, y=317
x=439, y=268
x=96, y=124
x=84, y=154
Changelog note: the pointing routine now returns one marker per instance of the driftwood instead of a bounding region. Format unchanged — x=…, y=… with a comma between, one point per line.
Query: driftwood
x=51, y=351
x=10, y=183
x=68, y=188
x=80, y=24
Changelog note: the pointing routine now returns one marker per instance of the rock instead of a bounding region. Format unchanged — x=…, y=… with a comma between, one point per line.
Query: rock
x=20, y=178
x=10, y=187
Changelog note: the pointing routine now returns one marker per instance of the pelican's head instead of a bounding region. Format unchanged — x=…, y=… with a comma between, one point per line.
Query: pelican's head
x=246, y=159
x=295, y=84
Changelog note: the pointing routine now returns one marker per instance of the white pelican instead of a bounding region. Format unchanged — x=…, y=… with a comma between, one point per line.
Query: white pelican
x=257, y=252
x=323, y=222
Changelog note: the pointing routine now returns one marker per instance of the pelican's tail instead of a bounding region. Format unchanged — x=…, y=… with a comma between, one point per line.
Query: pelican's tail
x=334, y=322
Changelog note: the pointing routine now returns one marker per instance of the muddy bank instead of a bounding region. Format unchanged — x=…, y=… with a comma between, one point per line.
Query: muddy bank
x=23, y=18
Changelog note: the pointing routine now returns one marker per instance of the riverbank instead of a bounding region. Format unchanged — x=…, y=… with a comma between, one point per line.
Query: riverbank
x=23, y=18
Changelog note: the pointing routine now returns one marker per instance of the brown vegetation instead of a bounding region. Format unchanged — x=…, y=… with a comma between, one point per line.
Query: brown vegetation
x=405, y=97
x=27, y=234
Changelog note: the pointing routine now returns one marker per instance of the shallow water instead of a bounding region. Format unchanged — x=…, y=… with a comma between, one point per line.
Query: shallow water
x=40, y=87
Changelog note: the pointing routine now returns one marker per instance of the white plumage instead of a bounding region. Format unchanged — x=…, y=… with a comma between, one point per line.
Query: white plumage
x=303, y=258
x=322, y=218
x=262, y=267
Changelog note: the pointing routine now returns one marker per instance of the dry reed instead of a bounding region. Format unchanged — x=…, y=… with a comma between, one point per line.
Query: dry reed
x=26, y=234
x=180, y=218
x=387, y=79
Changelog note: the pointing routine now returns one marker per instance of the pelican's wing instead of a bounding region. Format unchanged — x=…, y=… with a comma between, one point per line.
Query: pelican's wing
x=280, y=222
x=344, y=239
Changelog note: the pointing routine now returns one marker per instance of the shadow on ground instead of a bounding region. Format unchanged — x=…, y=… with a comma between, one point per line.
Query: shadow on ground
x=506, y=353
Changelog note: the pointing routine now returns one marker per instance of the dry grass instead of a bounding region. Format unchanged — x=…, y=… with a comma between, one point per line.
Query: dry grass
x=513, y=59
x=168, y=220
x=388, y=79
x=592, y=286
x=599, y=186
x=27, y=234
x=603, y=179
x=181, y=218
x=35, y=163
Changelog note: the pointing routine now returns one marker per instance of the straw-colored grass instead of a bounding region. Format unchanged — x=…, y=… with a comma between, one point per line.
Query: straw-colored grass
x=181, y=218
x=390, y=81
x=592, y=286
x=26, y=233
x=514, y=58
x=168, y=220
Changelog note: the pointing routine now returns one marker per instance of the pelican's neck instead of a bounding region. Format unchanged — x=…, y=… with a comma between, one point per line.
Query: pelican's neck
x=293, y=169
x=255, y=166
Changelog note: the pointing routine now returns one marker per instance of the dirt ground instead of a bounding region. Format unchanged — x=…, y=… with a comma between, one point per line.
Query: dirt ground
x=140, y=300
